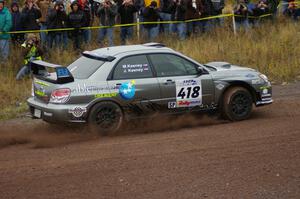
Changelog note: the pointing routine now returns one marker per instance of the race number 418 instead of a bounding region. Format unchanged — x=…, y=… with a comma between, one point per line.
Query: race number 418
x=188, y=93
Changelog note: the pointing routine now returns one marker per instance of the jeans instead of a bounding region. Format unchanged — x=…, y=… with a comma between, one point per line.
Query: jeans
x=192, y=27
x=165, y=17
x=25, y=70
x=43, y=35
x=4, y=49
x=56, y=38
x=180, y=29
x=242, y=25
x=203, y=26
x=285, y=5
x=65, y=39
x=126, y=33
x=152, y=32
x=87, y=36
x=213, y=23
x=76, y=37
x=106, y=31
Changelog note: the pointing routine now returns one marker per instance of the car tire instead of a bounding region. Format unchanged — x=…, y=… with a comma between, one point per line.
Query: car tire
x=105, y=117
x=237, y=104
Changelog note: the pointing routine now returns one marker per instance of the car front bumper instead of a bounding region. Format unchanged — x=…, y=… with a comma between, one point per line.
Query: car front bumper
x=57, y=113
x=264, y=96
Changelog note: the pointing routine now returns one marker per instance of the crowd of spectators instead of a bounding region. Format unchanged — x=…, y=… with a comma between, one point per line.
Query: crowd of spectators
x=48, y=15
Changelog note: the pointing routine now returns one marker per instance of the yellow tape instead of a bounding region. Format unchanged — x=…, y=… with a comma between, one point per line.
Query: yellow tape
x=131, y=24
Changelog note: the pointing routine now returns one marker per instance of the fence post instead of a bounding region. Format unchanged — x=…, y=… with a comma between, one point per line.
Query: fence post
x=233, y=23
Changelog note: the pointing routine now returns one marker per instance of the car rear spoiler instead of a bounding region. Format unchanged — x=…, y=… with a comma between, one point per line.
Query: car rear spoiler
x=61, y=74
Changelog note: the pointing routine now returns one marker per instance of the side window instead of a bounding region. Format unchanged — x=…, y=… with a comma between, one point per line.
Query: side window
x=172, y=65
x=133, y=67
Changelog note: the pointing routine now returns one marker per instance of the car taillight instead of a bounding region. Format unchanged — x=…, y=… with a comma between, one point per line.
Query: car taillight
x=60, y=96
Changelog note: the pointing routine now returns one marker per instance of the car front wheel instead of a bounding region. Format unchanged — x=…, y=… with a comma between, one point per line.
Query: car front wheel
x=105, y=117
x=237, y=104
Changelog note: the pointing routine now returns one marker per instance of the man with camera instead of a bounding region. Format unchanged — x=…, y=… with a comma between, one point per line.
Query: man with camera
x=151, y=14
x=30, y=16
x=107, y=12
x=179, y=12
x=31, y=51
x=241, y=12
x=56, y=19
x=77, y=20
x=126, y=11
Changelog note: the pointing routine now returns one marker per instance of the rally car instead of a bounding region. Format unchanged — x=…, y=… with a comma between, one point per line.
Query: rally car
x=108, y=86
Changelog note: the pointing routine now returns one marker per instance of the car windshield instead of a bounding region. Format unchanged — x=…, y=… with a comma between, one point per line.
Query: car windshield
x=84, y=67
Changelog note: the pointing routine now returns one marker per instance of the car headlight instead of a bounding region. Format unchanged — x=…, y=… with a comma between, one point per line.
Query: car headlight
x=264, y=77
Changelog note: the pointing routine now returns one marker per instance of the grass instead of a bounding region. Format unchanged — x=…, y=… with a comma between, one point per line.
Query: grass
x=272, y=48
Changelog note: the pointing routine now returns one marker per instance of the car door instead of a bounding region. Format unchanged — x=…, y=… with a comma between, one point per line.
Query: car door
x=138, y=89
x=182, y=87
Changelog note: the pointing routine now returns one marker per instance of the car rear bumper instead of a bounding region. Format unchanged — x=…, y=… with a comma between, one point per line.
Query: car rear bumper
x=56, y=113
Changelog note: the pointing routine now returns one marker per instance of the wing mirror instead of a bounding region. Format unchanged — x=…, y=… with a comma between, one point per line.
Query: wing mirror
x=201, y=71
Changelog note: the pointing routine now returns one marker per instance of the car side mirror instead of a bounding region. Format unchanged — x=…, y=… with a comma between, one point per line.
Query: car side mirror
x=201, y=71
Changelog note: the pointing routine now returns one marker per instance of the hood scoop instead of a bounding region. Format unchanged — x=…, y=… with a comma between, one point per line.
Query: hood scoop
x=219, y=65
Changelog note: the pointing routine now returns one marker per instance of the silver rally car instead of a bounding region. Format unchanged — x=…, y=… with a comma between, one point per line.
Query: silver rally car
x=107, y=86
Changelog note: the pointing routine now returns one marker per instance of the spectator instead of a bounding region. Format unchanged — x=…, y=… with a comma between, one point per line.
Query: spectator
x=179, y=10
x=16, y=39
x=166, y=14
x=30, y=15
x=45, y=6
x=293, y=11
x=84, y=6
x=216, y=9
x=76, y=19
x=241, y=10
x=251, y=17
x=56, y=19
x=31, y=51
x=5, y=26
x=261, y=8
x=151, y=14
x=284, y=6
x=107, y=12
x=126, y=11
x=193, y=8
x=273, y=4
x=205, y=12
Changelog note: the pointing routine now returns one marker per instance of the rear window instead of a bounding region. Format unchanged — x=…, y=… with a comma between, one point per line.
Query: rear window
x=84, y=67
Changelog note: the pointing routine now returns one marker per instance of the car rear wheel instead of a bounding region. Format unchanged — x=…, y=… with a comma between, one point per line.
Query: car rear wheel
x=105, y=117
x=237, y=104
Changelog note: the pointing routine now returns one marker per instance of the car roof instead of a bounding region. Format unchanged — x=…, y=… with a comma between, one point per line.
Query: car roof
x=115, y=50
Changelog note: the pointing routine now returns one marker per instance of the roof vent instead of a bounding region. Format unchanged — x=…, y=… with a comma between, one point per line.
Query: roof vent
x=154, y=44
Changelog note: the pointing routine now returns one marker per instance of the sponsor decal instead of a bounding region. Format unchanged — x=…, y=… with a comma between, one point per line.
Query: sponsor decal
x=220, y=86
x=187, y=103
x=48, y=114
x=265, y=91
x=41, y=83
x=40, y=93
x=83, y=88
x=127, y=90
x=264, y=87
x=188, y=93
x=171, y=104
x=105, y=95
x=250, y=75
x=78, y=111
x=257, y=81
